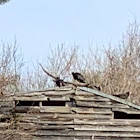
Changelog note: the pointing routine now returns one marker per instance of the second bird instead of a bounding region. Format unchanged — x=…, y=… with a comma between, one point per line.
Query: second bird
x=79, y=77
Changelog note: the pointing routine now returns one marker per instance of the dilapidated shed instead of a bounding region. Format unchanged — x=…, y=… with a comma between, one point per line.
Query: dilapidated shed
x=68, y=113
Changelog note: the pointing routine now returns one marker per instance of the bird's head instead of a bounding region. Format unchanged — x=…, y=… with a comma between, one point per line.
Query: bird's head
x=57, y=78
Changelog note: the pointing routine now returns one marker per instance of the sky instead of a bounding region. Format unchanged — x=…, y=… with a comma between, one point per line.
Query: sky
x=37, y=25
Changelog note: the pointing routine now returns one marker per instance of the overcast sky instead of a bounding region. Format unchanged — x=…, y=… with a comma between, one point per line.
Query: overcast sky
x=36, y=24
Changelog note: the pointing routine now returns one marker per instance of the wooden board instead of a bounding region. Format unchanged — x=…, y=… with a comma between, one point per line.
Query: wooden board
x=85, y=133
x=112, y=122
x=92, y=98
x=48, y=116
x=55, y=109
x=47, y=93
x=100, y=104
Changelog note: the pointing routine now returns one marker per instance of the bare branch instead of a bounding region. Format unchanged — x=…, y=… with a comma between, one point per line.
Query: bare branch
x=70, y=83
x=47, y=72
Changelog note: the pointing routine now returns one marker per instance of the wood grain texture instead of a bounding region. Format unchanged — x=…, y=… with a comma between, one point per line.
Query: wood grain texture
x=83, y=116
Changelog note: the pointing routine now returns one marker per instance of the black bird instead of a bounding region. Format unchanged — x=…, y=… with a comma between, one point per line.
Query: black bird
x=59, y=82
x=123, y=96
x=79, y=77
x=97, y=87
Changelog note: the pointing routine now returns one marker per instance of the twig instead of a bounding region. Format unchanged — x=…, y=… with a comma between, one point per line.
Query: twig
x=70, y=83
x=47, y=72
x=75, y=84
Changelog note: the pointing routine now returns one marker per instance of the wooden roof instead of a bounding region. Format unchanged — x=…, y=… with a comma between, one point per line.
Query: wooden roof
x=87, y=114
x=63, y=91
x=109, y=97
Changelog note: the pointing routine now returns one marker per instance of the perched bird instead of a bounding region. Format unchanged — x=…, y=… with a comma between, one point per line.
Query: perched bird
x=59, y=82
x=79, y=77
x=123, y=96
x=97, y=87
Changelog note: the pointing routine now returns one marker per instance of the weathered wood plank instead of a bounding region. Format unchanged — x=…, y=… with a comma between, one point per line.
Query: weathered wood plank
x=49, y=122
x=47, y=93
x=55, y=127
x=42, y=98
x=107, y=128
x=6, y=109
x=61, y=138
x=112, y=122
x=100, y=104
x=90, y=127
x=109, y=97
x=87, y=98
x=113, y=138
x=46, y=109
x=53, y=138
x=14, y=135
x=100, y=127
x=45, y=120
x=82, y=116
x=55, y=109
x=83, y=138
x=25, y=109
x=85, y=93
x=51, y=116
x=85, y=133
x=6, y=99
x=63, y=98
x=91, y=110
x=7, y=104
x=26, y=126
x=93, y=102
x=82, y=122
x=128, y=111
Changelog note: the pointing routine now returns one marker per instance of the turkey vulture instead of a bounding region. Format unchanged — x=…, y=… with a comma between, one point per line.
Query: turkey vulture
x=79, y=77
x=123, y=96
x=59, y=82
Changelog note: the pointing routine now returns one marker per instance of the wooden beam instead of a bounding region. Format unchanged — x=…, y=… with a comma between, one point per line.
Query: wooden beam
x=109, y=97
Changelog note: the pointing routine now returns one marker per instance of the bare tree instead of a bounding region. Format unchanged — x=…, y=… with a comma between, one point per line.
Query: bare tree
x=33, y=79
x=114, y=69
x=117, y=69
x=4, y=1
x=11, y=62
x=61, y=61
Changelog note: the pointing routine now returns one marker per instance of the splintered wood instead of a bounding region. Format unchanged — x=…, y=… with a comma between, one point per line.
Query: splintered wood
x=65, y=114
